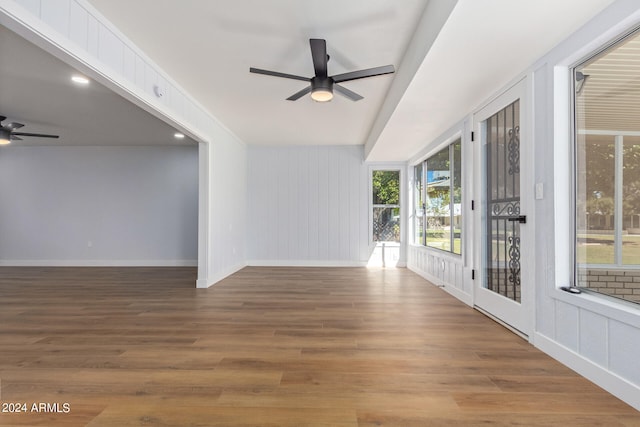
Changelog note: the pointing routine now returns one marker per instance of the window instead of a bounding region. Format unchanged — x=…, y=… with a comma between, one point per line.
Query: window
x=438, y=200
x=418, y=202
x=607, y=171
x=386, y=205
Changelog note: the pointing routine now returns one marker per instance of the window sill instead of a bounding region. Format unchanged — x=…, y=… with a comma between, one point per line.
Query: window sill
x=436, y=250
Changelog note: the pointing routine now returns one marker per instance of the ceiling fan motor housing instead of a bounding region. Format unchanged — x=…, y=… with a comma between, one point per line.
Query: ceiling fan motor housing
x=322, y=86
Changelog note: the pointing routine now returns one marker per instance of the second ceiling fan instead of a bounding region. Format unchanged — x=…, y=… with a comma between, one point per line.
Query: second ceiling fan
x=322, y=85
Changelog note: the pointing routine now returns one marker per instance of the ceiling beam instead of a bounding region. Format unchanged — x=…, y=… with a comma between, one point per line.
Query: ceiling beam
x=435, y=15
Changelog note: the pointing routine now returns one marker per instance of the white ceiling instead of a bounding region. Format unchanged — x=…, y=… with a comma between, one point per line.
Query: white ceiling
x=484, y=45
x=208, y=47
x=36, y=90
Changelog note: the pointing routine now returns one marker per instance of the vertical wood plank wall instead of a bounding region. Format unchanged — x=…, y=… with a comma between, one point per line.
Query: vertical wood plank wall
x=307, y=206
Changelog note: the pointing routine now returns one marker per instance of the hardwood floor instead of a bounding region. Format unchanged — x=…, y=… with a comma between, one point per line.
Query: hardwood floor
x=272, y=347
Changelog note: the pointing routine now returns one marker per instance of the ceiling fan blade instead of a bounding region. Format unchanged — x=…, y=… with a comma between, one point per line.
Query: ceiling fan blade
x=15, y=138
x=277, y=74
x=299, y=94
x=361, y=74
x=13, y=125
x=2, y=119
x=347, y=93
x=39, y=135
x=319, y=56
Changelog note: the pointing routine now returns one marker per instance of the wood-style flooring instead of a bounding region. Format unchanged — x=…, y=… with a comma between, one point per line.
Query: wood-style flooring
x=272, y=347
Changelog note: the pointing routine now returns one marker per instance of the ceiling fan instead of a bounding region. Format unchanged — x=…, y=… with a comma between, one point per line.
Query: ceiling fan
x=322, y=85
x=8, y=133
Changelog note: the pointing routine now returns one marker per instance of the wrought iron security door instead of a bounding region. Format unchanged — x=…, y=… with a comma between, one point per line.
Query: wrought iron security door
x=503, y=216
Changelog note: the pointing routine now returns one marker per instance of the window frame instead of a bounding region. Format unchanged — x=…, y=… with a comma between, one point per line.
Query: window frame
x=618, y=137
x=423, y=241
x=394, y=167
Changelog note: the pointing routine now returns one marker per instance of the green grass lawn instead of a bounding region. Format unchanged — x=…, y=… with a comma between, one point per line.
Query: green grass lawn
x=444, y=244
x=591, y=249
x=599, y=249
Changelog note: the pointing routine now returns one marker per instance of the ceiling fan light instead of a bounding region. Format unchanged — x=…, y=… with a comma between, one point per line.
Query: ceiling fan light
x=5, y=137
x=321, y=89
x=322, y=95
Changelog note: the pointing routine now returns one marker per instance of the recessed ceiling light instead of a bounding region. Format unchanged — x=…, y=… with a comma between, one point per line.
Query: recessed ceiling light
x=81, y=80
x=178, y=135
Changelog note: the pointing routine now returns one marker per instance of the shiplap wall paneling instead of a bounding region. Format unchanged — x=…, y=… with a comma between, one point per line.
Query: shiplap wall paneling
x=623, y=351
x=313, y=186
x=441, y=269
x=310, y=205
x=33, y=6
x=93, y=42
x=324, y=208
x=567, y=324
x=593, y=332
x=78, y=25
x=111, y=50
x=56, y=14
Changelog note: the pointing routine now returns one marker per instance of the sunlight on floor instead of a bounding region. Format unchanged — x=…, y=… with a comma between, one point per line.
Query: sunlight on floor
x=386, y=254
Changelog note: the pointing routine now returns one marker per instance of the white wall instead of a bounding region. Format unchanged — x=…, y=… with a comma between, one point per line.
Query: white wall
x=224, y=233
x=75, y=32
x=596, y=336
x=307, y=206
x=98, y=205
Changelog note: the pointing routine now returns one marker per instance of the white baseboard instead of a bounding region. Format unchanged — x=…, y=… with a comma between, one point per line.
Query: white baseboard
x=619, y=387
x=305, y=263
x=459, y=294
x=452, y=290
x=99, y=263
x=212, y=280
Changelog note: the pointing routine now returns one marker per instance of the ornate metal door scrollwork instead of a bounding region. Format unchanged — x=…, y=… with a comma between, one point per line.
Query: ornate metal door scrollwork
x=503, y=274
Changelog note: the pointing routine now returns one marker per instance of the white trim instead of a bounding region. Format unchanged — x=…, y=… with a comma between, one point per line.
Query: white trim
x=457, y=258
x=452, y=290
x=612, y=383
x=32, y=28
x=204, y=222
x=193, y=119
x=519, y=315
x=446, y=138
x=602, y=304
x=98, y=263
x=608, y=132
x=618, y=209
x=203, y=283
x=402, y=169
x=433, y=18
x=305, y=263
x=562, y=176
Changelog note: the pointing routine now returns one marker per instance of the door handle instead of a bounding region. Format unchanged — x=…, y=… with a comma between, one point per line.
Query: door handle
x=522, y=219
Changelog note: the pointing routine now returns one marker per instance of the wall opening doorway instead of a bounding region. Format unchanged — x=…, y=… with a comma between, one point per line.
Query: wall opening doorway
x=385, y=218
